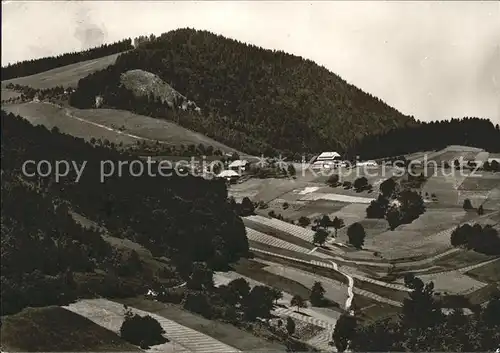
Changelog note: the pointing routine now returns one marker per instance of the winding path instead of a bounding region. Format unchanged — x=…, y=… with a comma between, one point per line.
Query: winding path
x=350, y=288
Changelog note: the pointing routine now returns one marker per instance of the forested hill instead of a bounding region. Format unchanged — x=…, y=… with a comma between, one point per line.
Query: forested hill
x=31, y=67
x=184, y=219
x=425, y=136
x=253, y=99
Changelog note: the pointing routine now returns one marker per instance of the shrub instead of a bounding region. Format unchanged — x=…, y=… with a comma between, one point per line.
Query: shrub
x=142, y=331
x=304, y=221
x=467, y=205
x=360, y=184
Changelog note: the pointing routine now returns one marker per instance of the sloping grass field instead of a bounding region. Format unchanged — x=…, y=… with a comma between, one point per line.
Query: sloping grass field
x=103, y=124
x=8, y=93
x=54, y=329
x=221, y=331
x=66, y=76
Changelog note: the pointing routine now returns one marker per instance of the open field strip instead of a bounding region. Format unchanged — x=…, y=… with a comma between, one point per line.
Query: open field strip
x=456, y=281
x=335, y=290
x=8, y=94
x=66, y=76
x=110, y=315
x=355, y=289
x=297, y=231
x=276, y=242
x=336, y=197
x=50, y=116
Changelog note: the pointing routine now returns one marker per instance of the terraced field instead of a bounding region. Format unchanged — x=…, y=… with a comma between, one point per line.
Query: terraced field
x=296, y=231
x=337, y=197
x=275, y=242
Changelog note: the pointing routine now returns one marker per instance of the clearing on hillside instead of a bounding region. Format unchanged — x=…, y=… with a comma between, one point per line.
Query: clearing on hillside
x=104, y=124
x=144, y=83
x=54, y=329
x=66, y=76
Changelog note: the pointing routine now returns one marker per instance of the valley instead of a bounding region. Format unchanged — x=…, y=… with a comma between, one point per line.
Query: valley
x=278, y=259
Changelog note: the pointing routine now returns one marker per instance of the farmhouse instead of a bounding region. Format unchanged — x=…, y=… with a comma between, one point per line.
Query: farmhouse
x=239, y=165
x=327, y=160
x=230, y=175
x=329, y=156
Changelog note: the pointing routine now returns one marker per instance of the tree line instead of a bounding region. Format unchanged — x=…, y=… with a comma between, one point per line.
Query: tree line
x=427, y=136
x=255, y=100
x=34, y=66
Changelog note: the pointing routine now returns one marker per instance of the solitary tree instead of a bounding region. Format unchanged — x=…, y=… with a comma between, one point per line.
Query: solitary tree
x=325, y=221
x=320, y=236
x=337, y=223
x=276, y=294
x=467, y=205
x=317, y=296
x=247, y=207
x=290, y=326
x=388, y=187
x=298, y=301
x=356, y=234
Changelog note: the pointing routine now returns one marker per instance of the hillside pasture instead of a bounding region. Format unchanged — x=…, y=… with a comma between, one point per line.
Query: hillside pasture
x=337, y=197
x=335, y=292
x=51, y=116
x=492, y=201
x=489, y=273
x=256, y=271
x=54, y=329
x=462, y=259
x=103, y=124
x=8, y=94
x=428, y=234
x=487, y=181
x=110, y=315
x=482, y=156
x=452, y=283
x=226, y=333
x=352, y=213
x=147, y=127
x=317, y=208
x=477, y=197
x=451, y=156
x=66, y=76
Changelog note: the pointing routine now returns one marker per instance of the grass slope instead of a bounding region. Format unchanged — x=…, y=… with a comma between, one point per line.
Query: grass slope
x=54, y=329
x=66, y=76
x=84, y=123
x=223, y=332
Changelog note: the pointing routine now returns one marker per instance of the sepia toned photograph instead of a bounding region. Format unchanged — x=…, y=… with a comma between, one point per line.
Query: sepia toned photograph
x=250, y=176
